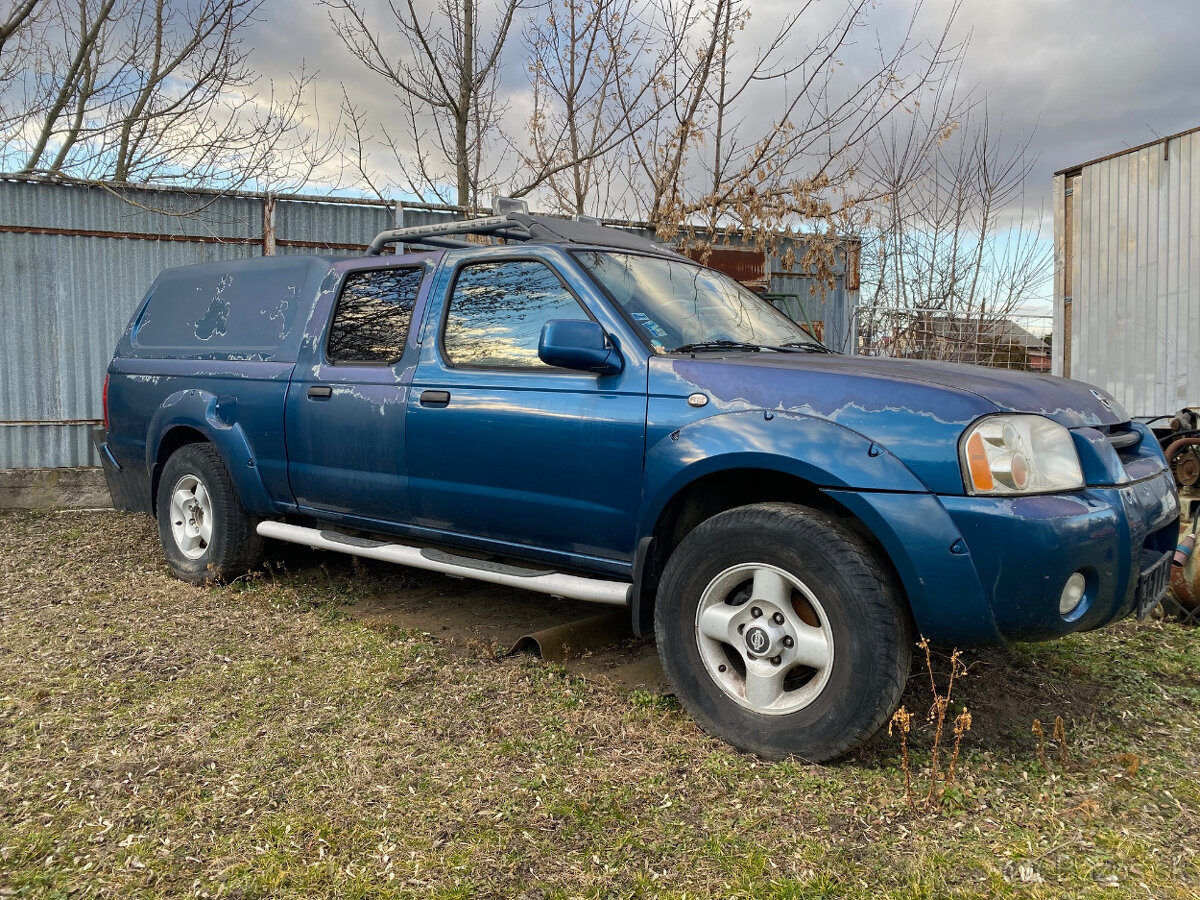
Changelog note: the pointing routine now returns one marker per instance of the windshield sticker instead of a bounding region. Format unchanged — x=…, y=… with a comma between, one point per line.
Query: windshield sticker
x=649, y=324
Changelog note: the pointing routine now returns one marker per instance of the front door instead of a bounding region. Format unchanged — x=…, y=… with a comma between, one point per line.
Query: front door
x=502, y=446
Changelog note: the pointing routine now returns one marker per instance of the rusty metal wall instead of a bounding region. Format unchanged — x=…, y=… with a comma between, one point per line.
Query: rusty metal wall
x=326, y=227
x=1127, y=285
x=76, y=259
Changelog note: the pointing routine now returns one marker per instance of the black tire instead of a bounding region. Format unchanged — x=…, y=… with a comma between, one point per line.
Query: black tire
x=859, y=623
x=232, y=546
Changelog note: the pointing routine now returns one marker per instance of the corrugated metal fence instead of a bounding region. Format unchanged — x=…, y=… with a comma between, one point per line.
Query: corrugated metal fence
x=74, y=262
x=75, y=259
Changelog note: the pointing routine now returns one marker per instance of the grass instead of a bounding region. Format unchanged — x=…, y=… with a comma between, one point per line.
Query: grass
x=163, y=740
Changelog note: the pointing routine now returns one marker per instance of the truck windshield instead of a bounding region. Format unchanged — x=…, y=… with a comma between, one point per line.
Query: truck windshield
x=683, y=306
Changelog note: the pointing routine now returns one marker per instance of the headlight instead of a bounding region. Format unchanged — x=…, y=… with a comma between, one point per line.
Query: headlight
x=1018, y=454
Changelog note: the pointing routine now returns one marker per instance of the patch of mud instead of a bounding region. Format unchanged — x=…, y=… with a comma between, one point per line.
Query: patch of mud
x=479, y=617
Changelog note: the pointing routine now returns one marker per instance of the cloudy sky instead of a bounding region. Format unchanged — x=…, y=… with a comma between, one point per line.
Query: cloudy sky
x=1084, y=77
x=1079, y=78
x=1092, y=76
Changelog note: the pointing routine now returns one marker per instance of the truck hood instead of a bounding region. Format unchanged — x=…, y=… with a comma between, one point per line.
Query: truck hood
x=826, y=381
x=916, y=409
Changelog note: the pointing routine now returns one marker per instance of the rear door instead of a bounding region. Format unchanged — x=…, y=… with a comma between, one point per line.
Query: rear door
x=505, y=448
x=344, y=418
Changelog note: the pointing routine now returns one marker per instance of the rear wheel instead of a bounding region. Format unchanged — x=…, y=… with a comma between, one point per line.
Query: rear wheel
x=782, y=632
x=206, y=533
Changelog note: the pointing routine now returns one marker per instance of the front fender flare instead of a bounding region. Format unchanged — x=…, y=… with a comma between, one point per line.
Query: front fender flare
x=820, y=452
x=215, y=417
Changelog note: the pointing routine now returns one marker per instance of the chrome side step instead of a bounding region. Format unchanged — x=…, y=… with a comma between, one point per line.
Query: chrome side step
x=544, y=581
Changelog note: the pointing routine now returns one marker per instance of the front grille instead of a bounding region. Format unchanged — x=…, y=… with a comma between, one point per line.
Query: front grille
x=1125, y=439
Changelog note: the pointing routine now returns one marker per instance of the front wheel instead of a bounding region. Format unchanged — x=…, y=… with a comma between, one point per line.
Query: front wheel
x=782, y=632
x=206, y=533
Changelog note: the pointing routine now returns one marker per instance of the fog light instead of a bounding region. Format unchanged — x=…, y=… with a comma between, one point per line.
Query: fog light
x=1072, y=594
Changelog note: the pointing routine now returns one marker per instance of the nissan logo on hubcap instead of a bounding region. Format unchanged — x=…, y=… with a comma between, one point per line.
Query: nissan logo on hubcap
x=758, y=640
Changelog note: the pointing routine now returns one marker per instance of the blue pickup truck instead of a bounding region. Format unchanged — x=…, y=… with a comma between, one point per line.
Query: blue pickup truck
x=579, y=411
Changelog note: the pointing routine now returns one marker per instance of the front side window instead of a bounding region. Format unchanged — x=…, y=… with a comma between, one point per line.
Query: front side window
x=497, y=311
x=373, y=315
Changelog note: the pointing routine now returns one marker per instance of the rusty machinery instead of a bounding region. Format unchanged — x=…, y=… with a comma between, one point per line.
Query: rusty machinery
x=1181, y=444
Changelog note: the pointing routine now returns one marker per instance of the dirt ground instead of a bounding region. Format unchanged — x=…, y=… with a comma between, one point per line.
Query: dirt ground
x=472, y=614
x=329, y=728
x=472, y=617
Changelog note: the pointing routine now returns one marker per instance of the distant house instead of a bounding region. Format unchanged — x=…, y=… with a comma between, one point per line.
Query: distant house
x=940, y=335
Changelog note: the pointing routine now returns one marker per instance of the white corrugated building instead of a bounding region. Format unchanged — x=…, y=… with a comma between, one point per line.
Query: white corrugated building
x=1127, y=274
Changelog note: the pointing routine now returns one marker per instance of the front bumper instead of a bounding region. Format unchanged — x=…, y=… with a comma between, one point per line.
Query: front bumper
x=984, y=570
x=1026, y=548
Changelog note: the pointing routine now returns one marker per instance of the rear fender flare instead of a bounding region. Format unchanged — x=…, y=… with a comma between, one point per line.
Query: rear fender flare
x=215, y=417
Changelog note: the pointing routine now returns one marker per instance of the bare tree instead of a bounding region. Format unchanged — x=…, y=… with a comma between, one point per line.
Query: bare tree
x=445, y=75
x=767, y=142
x=952, y=256
x=73, y=64
x=579, y=51
x=17, y=24
x=18, y=13
x=150, y=90
x=652, y=105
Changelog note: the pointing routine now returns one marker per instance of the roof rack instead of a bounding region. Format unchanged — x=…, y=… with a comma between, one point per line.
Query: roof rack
x=438, y=235
x=515, y=224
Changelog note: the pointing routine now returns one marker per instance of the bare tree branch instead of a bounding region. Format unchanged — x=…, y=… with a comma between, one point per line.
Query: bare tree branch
x=18, y=14
x=775, y=141
x=953, y=256
x=90, y=25
x=151, y=90
x=578, y=51
x=442, y=73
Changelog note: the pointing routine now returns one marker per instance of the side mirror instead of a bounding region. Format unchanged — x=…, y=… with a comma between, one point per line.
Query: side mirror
x=578, y=344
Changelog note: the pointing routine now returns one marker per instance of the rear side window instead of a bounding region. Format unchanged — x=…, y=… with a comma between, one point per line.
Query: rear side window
x=497, y=312
x=373, y=315
x=233, y=309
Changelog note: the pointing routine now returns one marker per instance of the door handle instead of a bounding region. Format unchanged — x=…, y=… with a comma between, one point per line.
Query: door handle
x=435, y=398
x=320, y=392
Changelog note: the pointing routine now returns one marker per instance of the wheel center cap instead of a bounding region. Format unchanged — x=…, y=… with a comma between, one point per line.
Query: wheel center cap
x=758, y=641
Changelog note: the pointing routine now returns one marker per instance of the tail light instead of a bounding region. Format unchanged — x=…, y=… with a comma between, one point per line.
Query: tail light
x=104, y=401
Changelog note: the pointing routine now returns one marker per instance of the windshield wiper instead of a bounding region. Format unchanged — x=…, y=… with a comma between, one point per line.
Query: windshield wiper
x=806, y=347
x=715, y=345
